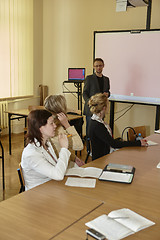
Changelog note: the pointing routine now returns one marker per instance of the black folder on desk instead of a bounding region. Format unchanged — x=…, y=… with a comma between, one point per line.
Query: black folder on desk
x=117, y=173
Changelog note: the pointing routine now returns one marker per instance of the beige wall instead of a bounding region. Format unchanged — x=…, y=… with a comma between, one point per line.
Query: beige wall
x=63, y=37
x=68, y=33
x=68, y=27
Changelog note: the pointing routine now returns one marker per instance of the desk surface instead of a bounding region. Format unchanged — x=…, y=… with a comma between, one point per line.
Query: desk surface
x=43, y=211
x=25, y=112
x=141, y=196
x=78, y=230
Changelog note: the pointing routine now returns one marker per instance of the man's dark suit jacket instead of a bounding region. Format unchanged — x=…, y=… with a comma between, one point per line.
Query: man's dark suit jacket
x=91, y=87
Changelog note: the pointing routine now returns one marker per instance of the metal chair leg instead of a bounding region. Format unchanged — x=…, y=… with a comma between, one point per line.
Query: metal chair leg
x=3, y=177
x=88, y=143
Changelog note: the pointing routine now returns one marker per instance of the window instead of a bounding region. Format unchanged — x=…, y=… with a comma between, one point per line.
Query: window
x=16, y=48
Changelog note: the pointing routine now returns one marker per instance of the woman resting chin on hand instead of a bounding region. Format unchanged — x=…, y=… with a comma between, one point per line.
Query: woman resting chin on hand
x=57, y=105
x=39, y=161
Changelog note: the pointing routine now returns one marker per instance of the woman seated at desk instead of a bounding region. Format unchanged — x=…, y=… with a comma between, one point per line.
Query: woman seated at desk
x=100, y=133
x=57, y=105
x=39, y=162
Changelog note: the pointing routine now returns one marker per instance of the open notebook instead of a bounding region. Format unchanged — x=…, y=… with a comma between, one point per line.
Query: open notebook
x=119, y=224
x=117, y=173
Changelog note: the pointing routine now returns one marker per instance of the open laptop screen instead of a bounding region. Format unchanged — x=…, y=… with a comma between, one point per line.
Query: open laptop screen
x=76, y=74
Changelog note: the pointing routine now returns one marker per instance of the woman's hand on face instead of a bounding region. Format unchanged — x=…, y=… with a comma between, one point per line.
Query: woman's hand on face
x=144, y=143
x=63, y=140
x=63, y=120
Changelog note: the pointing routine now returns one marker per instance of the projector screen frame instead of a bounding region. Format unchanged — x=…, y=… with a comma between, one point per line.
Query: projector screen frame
x=139, y=98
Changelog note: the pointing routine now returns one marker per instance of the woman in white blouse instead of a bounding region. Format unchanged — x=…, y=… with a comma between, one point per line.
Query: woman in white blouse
x=39, y=161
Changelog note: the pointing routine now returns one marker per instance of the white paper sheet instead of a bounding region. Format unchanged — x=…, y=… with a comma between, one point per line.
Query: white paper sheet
x=117, y=177
x=158, y=166
x=80, y=182
x=157, y=131
x=151, y=143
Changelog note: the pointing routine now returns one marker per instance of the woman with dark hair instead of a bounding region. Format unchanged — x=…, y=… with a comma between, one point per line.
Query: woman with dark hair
x=100, y=133
x=39, y=162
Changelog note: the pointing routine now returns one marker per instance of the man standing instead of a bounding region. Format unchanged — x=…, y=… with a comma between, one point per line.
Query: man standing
x=95, y=83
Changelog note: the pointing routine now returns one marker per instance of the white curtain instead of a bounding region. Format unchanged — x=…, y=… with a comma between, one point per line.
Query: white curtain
x=16, y=48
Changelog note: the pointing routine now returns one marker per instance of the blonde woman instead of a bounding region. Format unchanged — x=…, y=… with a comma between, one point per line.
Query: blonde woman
x=100, y=133
x=57, y=105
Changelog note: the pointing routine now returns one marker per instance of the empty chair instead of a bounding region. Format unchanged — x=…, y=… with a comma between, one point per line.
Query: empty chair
x=133, y=132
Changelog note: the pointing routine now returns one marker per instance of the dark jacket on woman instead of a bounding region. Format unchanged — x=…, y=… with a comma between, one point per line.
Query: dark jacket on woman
x=101, y=140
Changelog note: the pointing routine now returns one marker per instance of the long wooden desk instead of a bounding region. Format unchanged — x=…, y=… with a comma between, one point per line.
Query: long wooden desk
x=55, y=211
x=76, y=120
x=141, y=196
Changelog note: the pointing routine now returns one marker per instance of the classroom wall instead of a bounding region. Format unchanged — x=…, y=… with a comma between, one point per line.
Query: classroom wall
x=68, y=27
x=63, y=38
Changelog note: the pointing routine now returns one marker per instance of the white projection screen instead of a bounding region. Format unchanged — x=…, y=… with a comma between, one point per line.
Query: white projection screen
x=132, y=62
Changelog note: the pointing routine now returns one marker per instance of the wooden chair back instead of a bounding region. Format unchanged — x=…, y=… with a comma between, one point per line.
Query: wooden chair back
x=140, y=129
